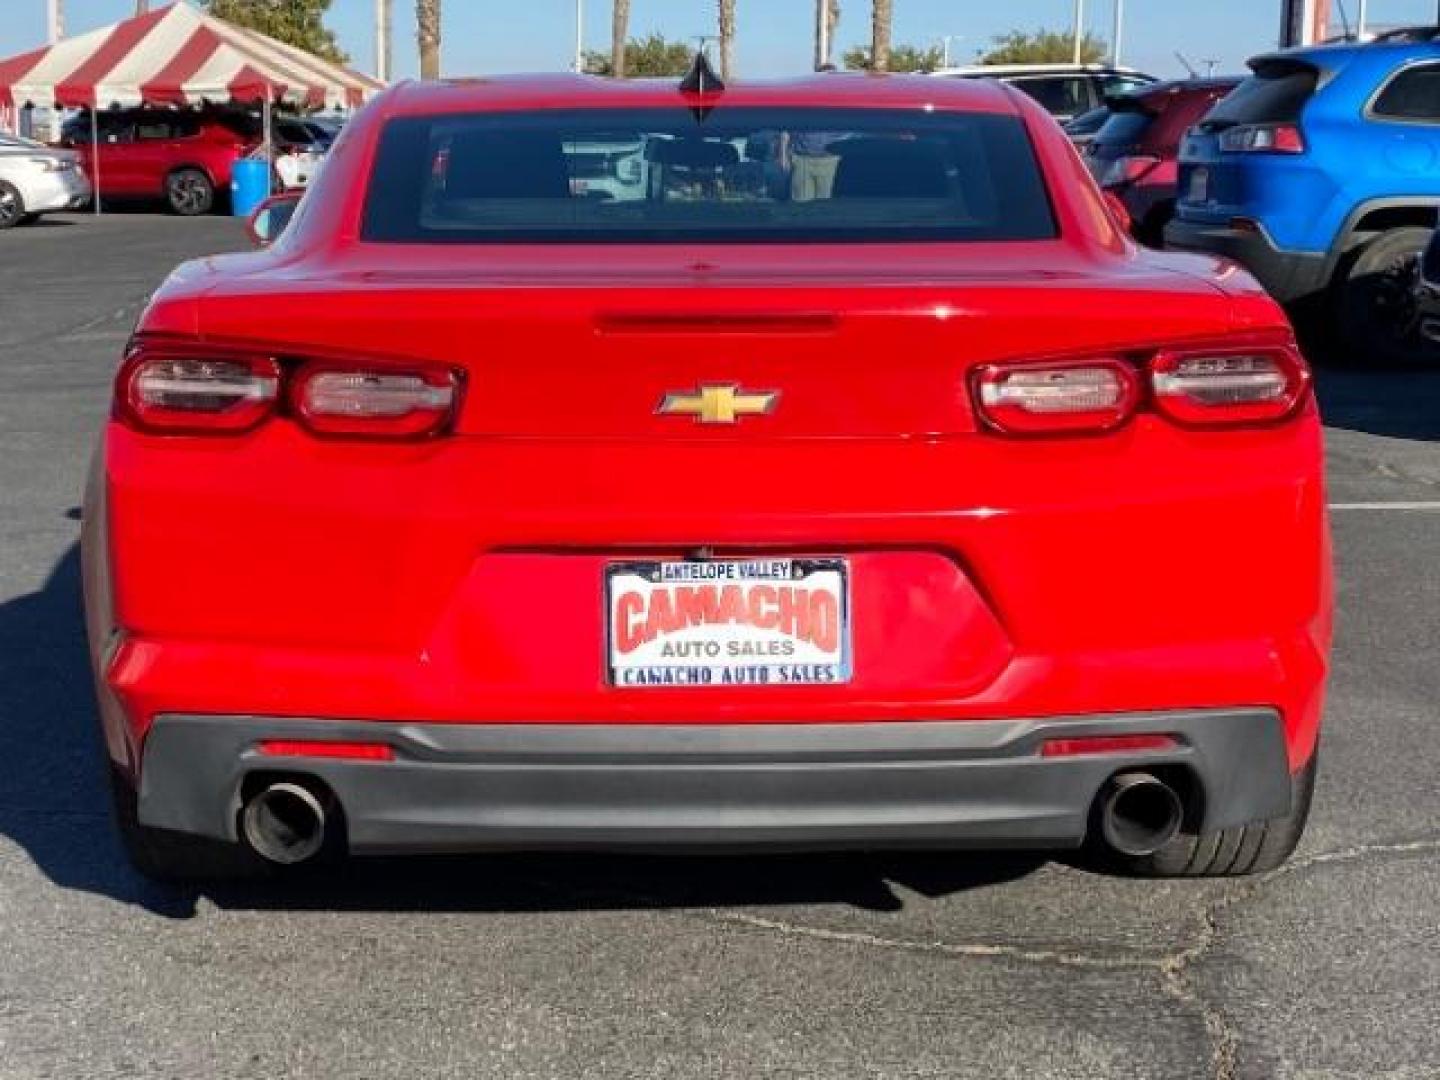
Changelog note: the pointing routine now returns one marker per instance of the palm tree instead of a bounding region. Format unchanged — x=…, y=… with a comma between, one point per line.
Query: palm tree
x=427, y=19
x=619, y=34
x=882, y=23
x=727, y=37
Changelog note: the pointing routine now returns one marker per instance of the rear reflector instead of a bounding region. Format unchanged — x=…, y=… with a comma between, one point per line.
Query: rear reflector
x=1106, y=744
x=351, y=751
x=1229, y=387
x=1093, y=396
x=178, y=393
x=341, y=400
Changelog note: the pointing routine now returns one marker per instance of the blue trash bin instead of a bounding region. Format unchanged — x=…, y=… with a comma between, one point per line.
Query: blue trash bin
x=249, y=185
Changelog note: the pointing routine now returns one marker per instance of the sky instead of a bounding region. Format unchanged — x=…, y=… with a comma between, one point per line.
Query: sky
x=774, y=36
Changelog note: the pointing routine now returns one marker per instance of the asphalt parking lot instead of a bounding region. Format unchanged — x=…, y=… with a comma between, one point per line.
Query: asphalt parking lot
x=841, y=966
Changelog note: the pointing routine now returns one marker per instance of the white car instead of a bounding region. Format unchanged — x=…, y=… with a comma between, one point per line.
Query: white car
x=34, y=180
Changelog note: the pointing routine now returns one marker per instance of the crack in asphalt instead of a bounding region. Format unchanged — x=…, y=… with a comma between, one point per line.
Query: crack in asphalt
x=1174, y=969
x=1385, y=470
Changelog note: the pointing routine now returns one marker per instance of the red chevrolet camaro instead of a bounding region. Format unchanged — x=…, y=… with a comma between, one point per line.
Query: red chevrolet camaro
x=800, y=464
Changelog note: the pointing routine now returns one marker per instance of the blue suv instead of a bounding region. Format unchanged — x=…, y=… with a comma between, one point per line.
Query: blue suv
x=1321, y=175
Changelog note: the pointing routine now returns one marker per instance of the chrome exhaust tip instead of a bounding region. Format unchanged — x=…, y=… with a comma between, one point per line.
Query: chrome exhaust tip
x=284, y=823
x=1140, y=814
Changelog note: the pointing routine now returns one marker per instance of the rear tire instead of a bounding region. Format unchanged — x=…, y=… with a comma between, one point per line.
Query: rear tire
x=189, y=192
x=12, y=207
x=1245, y=849
x=172, y=857
x=1377, y=308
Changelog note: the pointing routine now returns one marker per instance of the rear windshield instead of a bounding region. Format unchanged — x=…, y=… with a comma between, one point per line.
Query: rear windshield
x=732, y=175
x=1266, y=98
x=1124, y=128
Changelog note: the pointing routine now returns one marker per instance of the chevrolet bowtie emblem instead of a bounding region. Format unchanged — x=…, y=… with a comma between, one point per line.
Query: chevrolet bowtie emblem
x=719, y=403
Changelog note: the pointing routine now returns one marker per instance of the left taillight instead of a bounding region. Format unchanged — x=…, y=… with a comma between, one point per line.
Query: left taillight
x=1262, y=139
x=179, y=393
x=174, y=388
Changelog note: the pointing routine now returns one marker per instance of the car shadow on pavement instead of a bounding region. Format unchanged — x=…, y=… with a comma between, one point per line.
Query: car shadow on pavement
x=1395, y=403
x=54, y=805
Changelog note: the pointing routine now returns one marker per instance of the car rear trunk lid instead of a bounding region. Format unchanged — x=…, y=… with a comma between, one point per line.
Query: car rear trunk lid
x=594, y=345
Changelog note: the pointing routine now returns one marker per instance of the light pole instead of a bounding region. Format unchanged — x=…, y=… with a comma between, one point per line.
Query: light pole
x=1117, y=39
x=1079, y=27
x=822, y=34
x=54, y=20
x=945, y=47
x=383, y=26
x=579, y=36
x=1360, y=20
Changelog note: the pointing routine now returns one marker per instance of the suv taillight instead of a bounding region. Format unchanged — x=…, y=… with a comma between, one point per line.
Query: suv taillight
x=1129, y=170
x=1227, y=385
x=175, y=388
x=1262, y=139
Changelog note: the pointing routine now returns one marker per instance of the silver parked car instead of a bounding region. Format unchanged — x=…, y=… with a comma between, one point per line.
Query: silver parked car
x=34, y=180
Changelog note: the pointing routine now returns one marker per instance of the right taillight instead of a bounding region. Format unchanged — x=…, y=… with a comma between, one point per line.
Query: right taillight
x=178, y=388
x=1076, y=397
x=1229, y=386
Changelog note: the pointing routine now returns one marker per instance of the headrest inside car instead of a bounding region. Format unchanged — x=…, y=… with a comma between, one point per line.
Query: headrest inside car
x=890, y=169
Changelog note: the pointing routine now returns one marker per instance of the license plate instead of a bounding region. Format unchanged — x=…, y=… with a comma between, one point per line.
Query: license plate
x=750, y=622
x=1199, y=186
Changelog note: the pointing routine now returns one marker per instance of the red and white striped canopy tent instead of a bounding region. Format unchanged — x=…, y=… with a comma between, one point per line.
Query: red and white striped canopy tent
x=177, y=55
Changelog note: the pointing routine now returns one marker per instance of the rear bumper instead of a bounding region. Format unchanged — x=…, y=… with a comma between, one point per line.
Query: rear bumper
x=924, y=784
x=1288, y=276
x=58, y=191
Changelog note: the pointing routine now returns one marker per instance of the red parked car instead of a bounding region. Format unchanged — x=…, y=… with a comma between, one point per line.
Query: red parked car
x=181, y=156
x=1136, y=152
x=905, y=502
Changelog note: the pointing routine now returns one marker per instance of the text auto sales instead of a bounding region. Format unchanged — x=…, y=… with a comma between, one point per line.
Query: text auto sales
x=786, y=616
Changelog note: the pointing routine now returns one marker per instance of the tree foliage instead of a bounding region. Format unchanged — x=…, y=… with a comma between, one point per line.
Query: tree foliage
x=1044, y=47
x=296, y=22
x=653, y=55
x=902, y=58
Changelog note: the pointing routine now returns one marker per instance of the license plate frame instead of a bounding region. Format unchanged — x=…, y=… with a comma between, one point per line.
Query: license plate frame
x=819, y=651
